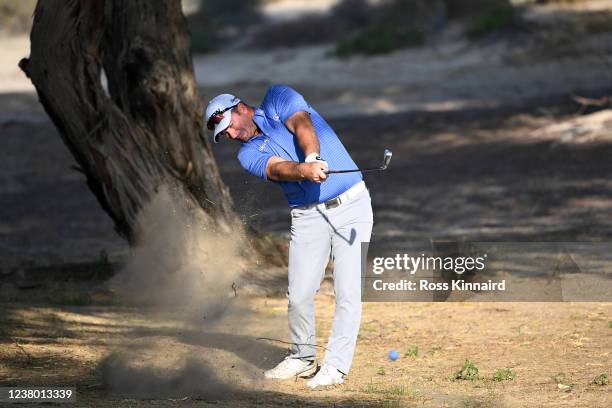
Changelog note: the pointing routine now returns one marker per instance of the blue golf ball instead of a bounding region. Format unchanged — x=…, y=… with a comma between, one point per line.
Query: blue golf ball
x=393, y=355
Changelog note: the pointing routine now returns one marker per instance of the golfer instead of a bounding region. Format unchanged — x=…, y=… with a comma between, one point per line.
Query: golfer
x=285, y=141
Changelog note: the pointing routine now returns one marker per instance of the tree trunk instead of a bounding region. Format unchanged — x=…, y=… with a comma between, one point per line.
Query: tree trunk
x=146, y=128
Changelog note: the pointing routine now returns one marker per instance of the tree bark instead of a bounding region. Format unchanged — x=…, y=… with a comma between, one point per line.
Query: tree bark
x=145, y=129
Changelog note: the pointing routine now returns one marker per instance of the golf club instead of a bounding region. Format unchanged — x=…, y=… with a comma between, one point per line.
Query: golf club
x=385, y=164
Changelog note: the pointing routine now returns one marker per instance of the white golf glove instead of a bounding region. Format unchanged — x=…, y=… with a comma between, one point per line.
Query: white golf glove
x=314, y=157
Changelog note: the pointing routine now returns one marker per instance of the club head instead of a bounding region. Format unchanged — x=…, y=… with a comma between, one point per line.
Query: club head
x=386, y=159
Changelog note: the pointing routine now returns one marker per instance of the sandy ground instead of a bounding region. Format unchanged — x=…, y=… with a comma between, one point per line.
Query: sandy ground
x=448, y=78
x=483, y=150
x=121, y=356
x=455, y=176
x=452, y=74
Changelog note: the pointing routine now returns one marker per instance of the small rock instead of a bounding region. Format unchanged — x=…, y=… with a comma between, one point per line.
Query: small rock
x=564, y=387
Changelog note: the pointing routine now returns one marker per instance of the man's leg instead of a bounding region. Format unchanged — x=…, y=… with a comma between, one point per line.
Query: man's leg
x=353, y=226
x=309, y=252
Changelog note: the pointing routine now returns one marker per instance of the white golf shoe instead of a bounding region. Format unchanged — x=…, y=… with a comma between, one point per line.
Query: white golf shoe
x=327, y=375
x=291, y=367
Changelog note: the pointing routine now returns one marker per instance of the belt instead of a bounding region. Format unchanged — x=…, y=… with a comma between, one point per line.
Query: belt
x=336, y=201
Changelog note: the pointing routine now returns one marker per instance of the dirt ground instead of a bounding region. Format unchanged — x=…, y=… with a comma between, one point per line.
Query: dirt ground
x=555, y=350
x=484, y=150
x=453, y=176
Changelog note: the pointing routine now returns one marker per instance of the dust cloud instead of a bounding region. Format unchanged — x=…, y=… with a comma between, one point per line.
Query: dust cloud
x=192, y=379
x=183, y=276
x=182, y=260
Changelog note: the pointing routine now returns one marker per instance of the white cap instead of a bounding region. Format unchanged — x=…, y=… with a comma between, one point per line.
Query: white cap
x=220, y=107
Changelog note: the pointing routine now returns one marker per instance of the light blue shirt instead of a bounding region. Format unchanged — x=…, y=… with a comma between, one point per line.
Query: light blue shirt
x=278, y=105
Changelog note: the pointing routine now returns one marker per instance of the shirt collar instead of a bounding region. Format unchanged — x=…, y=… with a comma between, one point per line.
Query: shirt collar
x=260, y=120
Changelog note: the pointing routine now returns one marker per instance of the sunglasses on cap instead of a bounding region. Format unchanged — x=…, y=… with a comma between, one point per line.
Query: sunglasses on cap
x=217, y=117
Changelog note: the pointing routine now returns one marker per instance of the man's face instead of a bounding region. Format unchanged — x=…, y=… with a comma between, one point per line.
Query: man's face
x=242, y=127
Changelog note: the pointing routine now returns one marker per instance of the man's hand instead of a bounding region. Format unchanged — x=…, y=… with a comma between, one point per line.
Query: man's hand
x=315, y=158
x=279, y=169
x=313, y=171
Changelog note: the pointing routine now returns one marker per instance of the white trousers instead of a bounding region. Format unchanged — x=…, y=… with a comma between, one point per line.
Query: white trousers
x=315, y=235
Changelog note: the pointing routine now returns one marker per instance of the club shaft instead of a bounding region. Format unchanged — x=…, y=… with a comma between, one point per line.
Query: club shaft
x=386, y=159
x=352, y=171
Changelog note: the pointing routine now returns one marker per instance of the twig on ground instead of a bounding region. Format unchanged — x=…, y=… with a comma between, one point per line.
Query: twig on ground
x=178, y=399
x=20, y=347
x=586, y=102
x=604, y=100
x=291, y=343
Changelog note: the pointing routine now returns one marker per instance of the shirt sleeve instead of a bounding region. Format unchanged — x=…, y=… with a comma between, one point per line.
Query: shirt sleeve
x=254, y=161
x=288, y=101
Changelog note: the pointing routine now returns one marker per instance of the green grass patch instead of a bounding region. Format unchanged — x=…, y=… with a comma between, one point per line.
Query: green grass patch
x=468, y=371
x=381, y=371
x=500, y=18
x=602, y=379
x=380, y=39
x=413, y=351
x=504, y=374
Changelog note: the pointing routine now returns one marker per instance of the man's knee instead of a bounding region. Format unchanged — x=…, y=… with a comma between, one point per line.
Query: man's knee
x=348, y=295
x=301, y=300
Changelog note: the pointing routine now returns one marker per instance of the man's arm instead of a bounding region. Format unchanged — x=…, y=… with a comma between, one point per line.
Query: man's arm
x=301, y=126
x=279, y=169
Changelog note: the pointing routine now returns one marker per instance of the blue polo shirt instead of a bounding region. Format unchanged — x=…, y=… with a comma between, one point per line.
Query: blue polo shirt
x=278, y=105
